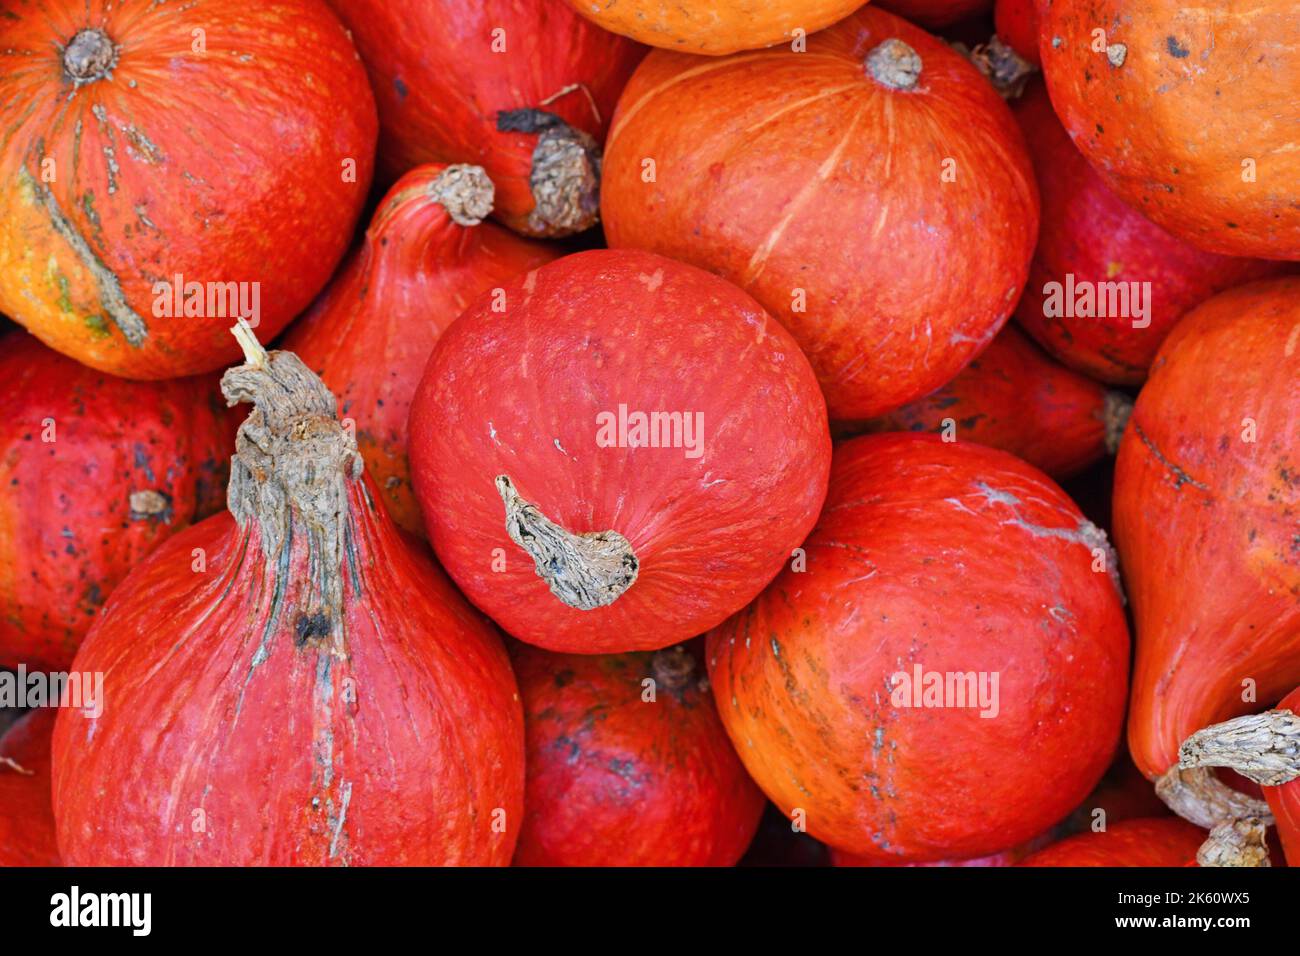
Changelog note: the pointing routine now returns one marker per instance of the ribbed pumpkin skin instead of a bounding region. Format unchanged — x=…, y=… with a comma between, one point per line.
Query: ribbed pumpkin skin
x=1199, y=90
x=1014, y=397
x=439, y=84
x=1284, y=801
x=818, y=190
x=955, y=558
x=220, y=166
x=26, y=821
x=615, y=780
x=1016, y=22
x=518, y=393
x=715, y=28
x=1162, y=841
x=1205, y=522
x=1091, y=233
x=369, y=335
x=69, y=526
x=936, y=13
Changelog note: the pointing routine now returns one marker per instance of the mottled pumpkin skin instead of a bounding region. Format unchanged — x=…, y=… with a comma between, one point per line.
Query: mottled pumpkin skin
x=1163, y=841
x=70, y=528
x=1181, y=96
x=616, y=780
x=1205, y=521
x=717, y=27
x=956, y=558
x=263, y=748
x=1016, y=22
x=936, y=13
x=440, y=83
x=26, y=820
x=818, y=190
x=1014, y=397
x=1284, y=801
x=227, y=165
x=369, y=335
x=518, y=393
x=1091, y=233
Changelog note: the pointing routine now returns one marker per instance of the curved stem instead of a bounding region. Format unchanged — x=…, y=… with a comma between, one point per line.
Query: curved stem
x=1200, y=797
x=1263, y=747
x=1235, y=843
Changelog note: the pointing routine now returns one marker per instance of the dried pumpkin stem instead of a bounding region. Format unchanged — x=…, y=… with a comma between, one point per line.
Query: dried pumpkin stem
x=672, y=667
x=585, y=571
x=1116, y=410
x=1006, y=69
x=894, y=64
x=89, y=56
x=465, y=192
x=1200, y=797
x=565, y=173
x=1235, y=843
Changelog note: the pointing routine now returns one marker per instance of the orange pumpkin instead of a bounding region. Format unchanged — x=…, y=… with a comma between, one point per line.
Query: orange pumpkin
x=722, y=26
x=1188, y=111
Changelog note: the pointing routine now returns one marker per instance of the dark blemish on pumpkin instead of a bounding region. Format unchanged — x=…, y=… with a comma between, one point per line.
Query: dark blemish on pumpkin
x=400, y=87
x=1174, y=49
x=310, y=626
x=383, y=241
x=1231, y=225
x=142, y=461
x=1223, y=443
x=564, y=678
x=1100, y=129
x=569, y=744
x=948, y=401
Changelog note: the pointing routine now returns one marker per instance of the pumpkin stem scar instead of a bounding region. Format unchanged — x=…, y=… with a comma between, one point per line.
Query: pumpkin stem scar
x=89, y=56
x=111, y=297
x=565, y=174
x=585, y=571
x=894, y=64
x=1116, y=410
x=672, y=667
x=465, y=192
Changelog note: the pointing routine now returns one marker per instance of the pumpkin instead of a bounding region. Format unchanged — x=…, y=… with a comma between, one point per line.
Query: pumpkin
x=523, y=88
x=1106, y=285
x=651, y=781
x=936, y=13
x=1186, y=111
x=616, y=451
x=426, y=254
x=165, y=167
x=1005, y=858
x=720, y=27
x=954, y=607
x=844, y=188
x=1013, y=397
x=1016, y=23
x=26, y=821
x=316, y=691
x=95, y=472
x=1159, y=841
x=1207, y=491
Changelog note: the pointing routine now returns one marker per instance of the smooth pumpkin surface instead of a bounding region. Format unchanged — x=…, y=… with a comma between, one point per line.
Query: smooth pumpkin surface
x=217, y=141
x=847, y=202
x=715, y=28
x=1188, y=111
x=1016, y=22
x=691, y=525
x=628, y=764
x=1206, y=491
x=1163, y=841
x=26, y=820
x=425, y=256
x=1142, y=280
x=956, y=559
x=95, y=472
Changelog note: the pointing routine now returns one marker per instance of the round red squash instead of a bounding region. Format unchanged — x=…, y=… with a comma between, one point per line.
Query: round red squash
x=847, y=189
x=523, y=88
x=1016, y=22
x=616, y=452
x=1106, y=284
x=1014, y=397
x=934, y=14
x=26, y=820
x=164, y=167
x=717, y=27
x=426, y=255
x=1160, y=841
x=1185, y=110
x=628, y=764
x=931, y=561
x=1206, y=494
x=95, y=472
x=293, y=684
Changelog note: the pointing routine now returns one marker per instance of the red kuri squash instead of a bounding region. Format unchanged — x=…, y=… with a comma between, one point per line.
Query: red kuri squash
x=426, y=255
x=1016, y=22
x=1160, y=841
x=633, y=435
x=523, y=88
x=717, y=27
x=26, y=820
x=1187, y=111
x=1014, y=397
x=936, y=13
x=1106, y=285
x=628, y=764
x=955, y=608
x=845, y=188
x=95, y=472
x=316, y=691
x=164, y=167
x=1206, y=494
